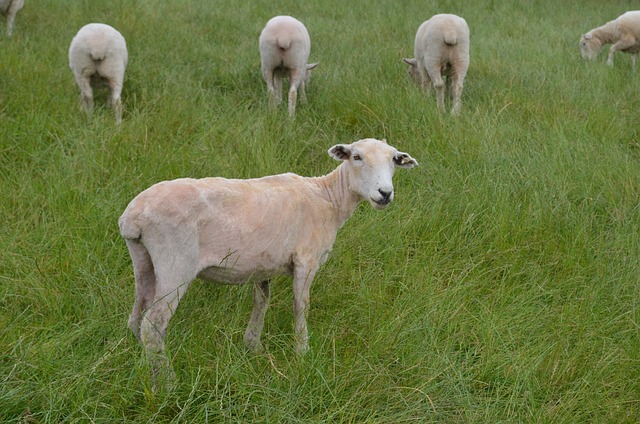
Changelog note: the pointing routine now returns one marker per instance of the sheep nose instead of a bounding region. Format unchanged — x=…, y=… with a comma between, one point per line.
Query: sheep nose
x=386, y=195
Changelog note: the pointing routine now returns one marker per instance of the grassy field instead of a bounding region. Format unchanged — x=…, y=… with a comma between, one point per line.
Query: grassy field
x=501, y=285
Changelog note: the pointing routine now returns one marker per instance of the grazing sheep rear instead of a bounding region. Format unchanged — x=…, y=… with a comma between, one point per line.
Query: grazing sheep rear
x=246, y=231
x=441, y=48
x=284, y=50
x=98, y=55
x=10, y=8
x=623, y=32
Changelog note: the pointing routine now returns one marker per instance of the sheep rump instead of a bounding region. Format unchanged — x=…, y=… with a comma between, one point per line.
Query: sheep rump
x=98, y=55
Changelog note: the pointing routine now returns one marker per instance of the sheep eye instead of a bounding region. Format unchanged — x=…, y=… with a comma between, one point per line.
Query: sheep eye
x=357, y=157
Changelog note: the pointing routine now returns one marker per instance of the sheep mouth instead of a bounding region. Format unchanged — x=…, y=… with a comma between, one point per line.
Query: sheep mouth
x=380, y=204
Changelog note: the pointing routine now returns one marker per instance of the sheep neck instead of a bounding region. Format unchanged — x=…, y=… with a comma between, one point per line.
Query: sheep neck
x=335, y=189
x=605, y=33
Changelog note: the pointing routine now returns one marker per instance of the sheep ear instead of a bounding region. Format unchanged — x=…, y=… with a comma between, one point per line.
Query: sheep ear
x=340, y=152
x=403, y=160
x=412, y=62
x=310, y=66
x=588, y=36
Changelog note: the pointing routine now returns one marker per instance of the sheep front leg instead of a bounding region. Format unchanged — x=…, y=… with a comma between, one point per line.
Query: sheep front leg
x=302, y=279
x=622, y=44
x=425, y=80
x=261, y=297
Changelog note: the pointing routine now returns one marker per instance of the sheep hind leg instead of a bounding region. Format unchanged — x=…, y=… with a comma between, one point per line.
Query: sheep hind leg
x=457, y=86
x=10, y=23
x=115, y=91
x=252, y=334
x=86, y=94
x=145, y=283
x=438, y=84
x=153, y=330
x=270, y=79
x=296, y=79
x=11, y=17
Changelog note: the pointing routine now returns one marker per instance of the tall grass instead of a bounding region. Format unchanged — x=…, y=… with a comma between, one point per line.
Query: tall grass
x=501, y=286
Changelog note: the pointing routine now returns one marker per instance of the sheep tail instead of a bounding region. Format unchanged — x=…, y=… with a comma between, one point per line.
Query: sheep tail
x=98, y=55
x=283, y=43
x=128, y=228
x=451, y=38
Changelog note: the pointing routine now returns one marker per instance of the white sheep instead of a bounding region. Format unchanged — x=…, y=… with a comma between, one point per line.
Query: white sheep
x=623, y=32
x=238, y=231
x=284, y=50
x=10, y=8
x=98, y=55
x=441, y=48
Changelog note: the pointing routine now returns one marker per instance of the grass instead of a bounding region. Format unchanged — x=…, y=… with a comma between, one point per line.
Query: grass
x=501, y=286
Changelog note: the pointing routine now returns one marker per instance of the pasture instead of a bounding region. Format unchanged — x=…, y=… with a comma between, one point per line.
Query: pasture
x=500, y=286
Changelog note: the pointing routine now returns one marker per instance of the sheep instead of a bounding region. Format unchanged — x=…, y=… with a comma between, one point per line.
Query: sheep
x=10, y=8
x=98, y=55
x=284, y=50
x=623, y=32
x=235, y=231
x=441, y=48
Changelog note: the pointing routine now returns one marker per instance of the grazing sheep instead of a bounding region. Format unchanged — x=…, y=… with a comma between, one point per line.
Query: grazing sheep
x=10, y=8
x=623, y=32
x=238, y=231
x=441, y=49
x=98, y=55
x=284, y=50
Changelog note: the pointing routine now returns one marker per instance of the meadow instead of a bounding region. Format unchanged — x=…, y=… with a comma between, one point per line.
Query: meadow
x=500, y=286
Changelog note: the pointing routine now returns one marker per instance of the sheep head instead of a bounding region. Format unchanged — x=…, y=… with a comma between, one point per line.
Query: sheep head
x=590, y=46
x=412, y=71
x=371, y=165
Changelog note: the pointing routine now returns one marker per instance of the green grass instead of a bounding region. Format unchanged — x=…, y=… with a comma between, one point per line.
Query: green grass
x=501, y=286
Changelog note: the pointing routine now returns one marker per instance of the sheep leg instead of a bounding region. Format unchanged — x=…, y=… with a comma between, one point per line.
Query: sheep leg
x=277, y=83
x=458, y=84
x=261, y=297
x=425, y=80
x=295, y=79
x=302, y=279
x=86, y=93
x=438, y=84
x=269, y=77
x=145, y=283
x=11, y=17
x=634, y=61
x=303, y=92
x=622, y=44
x=115, y=88
x=153, y=329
